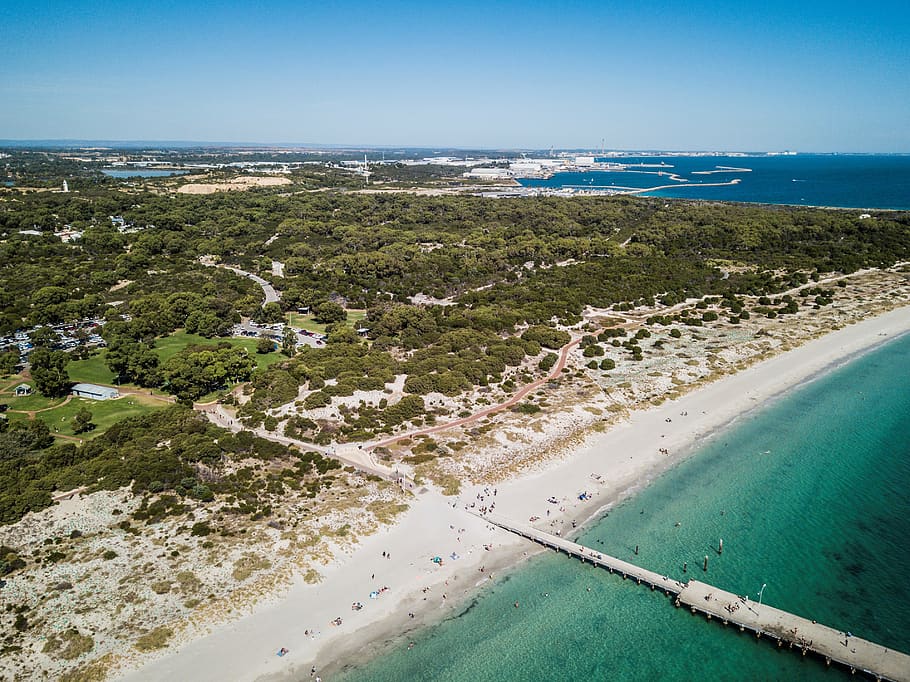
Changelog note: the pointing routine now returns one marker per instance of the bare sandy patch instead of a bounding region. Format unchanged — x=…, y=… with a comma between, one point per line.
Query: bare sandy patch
x=236, y=185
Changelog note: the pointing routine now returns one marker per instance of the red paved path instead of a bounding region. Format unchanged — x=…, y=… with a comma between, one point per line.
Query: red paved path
x=557, y=370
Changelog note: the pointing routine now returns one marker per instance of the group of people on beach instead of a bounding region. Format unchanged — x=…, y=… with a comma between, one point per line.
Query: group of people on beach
x=480, y=498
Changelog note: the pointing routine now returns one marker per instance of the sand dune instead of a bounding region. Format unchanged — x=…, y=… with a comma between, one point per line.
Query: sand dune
x=609, y=466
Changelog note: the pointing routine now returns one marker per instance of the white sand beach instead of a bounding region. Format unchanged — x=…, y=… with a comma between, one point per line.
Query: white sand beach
x=609, y=466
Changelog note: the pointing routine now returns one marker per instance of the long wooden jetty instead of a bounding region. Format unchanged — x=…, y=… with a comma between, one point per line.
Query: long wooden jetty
x=781, y=627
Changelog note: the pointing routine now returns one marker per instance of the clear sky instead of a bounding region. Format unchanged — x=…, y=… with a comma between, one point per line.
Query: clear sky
x=641, y=74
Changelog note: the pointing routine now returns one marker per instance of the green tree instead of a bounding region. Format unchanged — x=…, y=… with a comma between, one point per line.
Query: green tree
x=43, y=337
x=270, y=313
x=207, y=323
x=198, y=370
x=24, y=436
x=82, y=421
x=546, y=336
x=264, y=345
x=547, y=361
x=289, y=342
x=329, y=312
x=133, y=361
x=317, y=399
x=8, y=362
x=49, y=372
x=343, y=334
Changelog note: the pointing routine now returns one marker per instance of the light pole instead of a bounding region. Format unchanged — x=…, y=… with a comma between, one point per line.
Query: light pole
x=763, y=586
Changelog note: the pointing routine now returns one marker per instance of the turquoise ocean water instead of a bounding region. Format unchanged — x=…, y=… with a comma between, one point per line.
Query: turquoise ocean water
x=811, y=495
x=853, y=181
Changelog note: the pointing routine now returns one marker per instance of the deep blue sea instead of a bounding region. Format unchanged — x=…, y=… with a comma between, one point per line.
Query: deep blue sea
x=852, y=181
x=811, y=495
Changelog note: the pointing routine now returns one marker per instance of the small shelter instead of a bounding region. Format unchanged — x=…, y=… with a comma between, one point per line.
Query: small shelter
x=23, y=389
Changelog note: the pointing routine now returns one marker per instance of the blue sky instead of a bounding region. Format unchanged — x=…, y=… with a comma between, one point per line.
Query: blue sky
x=811, y=76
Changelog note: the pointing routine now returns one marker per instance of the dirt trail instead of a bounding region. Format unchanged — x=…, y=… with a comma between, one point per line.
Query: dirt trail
x=31, y=413
x=557, y=370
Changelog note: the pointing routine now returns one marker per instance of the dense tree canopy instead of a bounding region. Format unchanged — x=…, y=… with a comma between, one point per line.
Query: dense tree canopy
x=198, y=370
x=49, y=372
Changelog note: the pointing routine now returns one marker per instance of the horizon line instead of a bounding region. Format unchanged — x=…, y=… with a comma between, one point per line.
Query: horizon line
x=212, y=144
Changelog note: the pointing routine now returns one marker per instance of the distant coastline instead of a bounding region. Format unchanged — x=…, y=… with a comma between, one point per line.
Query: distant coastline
x=859, y=182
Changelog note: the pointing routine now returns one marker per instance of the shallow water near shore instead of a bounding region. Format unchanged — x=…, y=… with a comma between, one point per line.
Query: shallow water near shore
x=811, y=496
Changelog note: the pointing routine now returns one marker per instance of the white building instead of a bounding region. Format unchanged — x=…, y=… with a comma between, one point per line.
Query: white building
x=95, y=392
x=520, y=167
x=489, y=173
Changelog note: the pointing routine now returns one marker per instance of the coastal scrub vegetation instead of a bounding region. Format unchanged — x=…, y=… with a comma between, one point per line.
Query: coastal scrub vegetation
x=419, y=309
x=174, y=459
x=501, y=276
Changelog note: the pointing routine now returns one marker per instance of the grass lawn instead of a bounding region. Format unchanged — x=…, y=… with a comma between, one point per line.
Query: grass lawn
x=91, y=371
x=94, y=371
x=169, y=346
x=355, y=317
x=105, y=413
x=9, y=382
x=30, y=402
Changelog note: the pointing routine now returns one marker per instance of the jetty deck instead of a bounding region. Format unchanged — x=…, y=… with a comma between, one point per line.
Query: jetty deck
x=796, y=632
x=612, y=564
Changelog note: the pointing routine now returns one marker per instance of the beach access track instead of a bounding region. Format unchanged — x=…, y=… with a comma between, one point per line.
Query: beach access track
x=782, y=627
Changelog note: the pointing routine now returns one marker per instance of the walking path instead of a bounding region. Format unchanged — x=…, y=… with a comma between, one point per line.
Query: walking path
x=350, y=455
x=838, y=646
x=557, y=370
x=31, y=413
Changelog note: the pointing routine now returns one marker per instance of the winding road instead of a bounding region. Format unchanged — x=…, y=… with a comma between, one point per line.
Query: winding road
x=271, y=295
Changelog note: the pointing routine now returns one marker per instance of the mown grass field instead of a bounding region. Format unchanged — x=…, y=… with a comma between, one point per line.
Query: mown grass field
x=91, y=371
x=169, y=346
x=94, y=371
x=29, y=402
x=105, y=413
x=355, y=317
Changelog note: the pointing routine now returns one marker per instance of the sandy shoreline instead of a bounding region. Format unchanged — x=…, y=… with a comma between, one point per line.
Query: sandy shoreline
x=609, y=466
